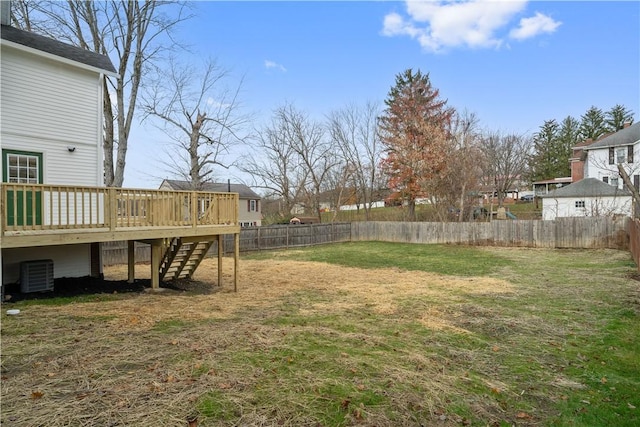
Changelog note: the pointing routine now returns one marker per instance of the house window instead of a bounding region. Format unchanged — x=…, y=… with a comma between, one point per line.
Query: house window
x=23, y=168
x=253, y=205
x=630, y=154
x=636, y=181
x=611, y=155
x=23, y=207
x=614, y=182
x=579, y=203
x=605, y=179
x=621, y=155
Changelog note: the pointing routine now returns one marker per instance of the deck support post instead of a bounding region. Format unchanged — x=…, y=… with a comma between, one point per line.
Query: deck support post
x=131, y=260
x=156, y=259
x=220, y=253
x=236, y=258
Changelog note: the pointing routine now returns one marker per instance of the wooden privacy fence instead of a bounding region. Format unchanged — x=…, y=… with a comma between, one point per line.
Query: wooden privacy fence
x=589, y=232
x=634, y=240
x=287, y=236
x=251, y=239
x=584, y=232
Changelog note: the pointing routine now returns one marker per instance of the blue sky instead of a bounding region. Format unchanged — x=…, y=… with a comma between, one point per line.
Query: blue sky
x=514, y=63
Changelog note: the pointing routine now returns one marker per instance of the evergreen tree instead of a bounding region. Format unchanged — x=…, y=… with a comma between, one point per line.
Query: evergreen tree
x=592, y=124
x=544, y=160
x=414, y=131
x=616, y=117
x=568, y=137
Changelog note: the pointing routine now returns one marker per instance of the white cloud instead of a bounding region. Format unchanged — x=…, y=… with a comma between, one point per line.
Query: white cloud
x=439, y=25
x=271, y=64
x=215, y=104
x=531, y=27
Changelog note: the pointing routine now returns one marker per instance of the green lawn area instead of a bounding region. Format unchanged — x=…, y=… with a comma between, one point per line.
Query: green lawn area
x=522, y=210
x=368, y=333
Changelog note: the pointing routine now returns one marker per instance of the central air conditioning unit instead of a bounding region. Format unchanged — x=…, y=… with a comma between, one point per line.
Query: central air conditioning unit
x=36, y=276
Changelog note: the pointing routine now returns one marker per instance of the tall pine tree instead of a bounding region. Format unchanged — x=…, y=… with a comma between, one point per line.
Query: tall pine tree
x=568, y=137
x=415, y=132
x=544, y=160
x=592, y=124
x=616, y=117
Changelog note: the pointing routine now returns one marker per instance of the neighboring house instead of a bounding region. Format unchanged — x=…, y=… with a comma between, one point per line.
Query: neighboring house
x=51, y=133
x=597, y=188
x=587, y=197
x=603, y=157
x=250, y=213
x=540, y=188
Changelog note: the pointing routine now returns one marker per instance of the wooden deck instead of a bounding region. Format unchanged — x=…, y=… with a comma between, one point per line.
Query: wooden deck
x=45, y=215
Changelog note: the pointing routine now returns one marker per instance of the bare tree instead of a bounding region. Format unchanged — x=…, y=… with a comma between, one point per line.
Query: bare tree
x=463, y=167
x=353, y=130
x=505, y=160
x=130, y=31
x=292, y=159
x=273, y=163
x=337, y=184
x=200, y=113
x=315, y=154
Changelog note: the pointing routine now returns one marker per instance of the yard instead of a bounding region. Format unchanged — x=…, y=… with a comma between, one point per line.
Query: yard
x=371, y=334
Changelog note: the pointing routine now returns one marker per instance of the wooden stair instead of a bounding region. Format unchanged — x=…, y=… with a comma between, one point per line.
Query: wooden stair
x=182, y=258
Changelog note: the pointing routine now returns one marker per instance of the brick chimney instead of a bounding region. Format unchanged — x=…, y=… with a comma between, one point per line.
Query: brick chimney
x=626, y=124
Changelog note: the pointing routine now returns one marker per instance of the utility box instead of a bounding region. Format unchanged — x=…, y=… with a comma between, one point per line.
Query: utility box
x=36, y=276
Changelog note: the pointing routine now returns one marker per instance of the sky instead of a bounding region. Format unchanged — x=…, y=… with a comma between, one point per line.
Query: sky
x=513, y=63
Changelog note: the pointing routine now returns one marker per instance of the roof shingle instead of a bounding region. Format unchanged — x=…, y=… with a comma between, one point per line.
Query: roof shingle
x=588, y=187
x=627, y=136
x=55, y=47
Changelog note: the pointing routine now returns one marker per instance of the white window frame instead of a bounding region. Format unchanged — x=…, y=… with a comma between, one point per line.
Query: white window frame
x=25, y=168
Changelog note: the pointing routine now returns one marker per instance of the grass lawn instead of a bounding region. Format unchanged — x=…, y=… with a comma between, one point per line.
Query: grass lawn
x=371, y=334
x=522, y=210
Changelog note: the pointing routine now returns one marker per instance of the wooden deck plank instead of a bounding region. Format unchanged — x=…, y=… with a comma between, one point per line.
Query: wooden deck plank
x=30, y=238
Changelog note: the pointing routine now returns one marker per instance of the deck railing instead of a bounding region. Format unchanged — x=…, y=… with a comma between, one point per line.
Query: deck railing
x=32, y=207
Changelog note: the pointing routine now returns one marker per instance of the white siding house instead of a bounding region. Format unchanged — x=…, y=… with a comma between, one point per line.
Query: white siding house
x=587, y=197
x=50, y=131
x=603, y=157
x=602, y=191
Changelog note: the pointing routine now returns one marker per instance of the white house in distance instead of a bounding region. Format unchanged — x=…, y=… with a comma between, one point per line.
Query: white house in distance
x=51, y=133
x=598, y=189
x=604, y=155
x=250, y=209
x=587, y=197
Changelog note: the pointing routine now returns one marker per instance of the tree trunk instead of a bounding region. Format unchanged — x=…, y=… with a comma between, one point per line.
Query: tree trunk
x=632, y=189
x=412, y=210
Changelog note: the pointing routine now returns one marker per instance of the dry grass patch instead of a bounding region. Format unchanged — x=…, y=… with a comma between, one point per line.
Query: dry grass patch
x=300, y=344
